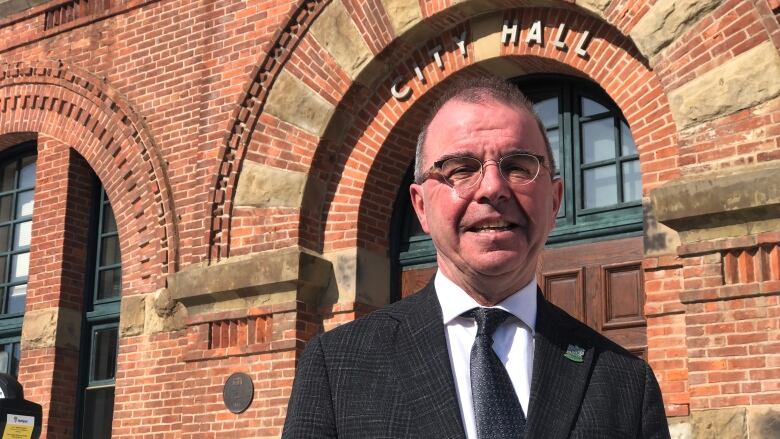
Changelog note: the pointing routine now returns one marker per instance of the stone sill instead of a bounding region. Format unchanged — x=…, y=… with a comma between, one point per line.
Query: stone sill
x=262, y=280
x=731, y=292
x=727, y=203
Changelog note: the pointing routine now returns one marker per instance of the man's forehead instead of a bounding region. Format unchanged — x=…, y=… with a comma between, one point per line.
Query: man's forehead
x=459, y=119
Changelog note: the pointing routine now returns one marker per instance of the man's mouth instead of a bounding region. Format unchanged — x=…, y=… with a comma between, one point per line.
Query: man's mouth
x=492, y=226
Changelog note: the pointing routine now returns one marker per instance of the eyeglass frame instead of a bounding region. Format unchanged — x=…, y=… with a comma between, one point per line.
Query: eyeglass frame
x=436, y=168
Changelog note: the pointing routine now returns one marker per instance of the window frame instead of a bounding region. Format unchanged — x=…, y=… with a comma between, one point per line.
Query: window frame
x=11, y=324
x=99, y=314
x=578, y=224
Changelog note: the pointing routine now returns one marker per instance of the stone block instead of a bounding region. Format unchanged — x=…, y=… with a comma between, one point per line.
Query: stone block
x=486, y=36
x=726, y=203
x=659, y=239
x=403, y=14
x=163, y=314
x=255, y=280
x=597, y=7
x=763, y=422
x=721, y=423
x=359, y=275
x=665, y=21
x=337, y=33
x=132, y=315
x=294, y=102
x=267, y=186
x=680, y=428
x=742, y=82
x=51, y=327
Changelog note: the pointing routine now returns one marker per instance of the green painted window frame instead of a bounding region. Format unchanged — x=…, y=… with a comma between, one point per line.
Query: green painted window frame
x=575, y=223
x=100, y=315
x=11, y=323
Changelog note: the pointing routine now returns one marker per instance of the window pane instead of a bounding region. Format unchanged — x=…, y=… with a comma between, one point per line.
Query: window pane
x=6, y=214
x=632, y=181
x=27, y=173
x=9, y=358
x=24, y=203
x=548, y=111
x=7, y=180
x=20, y=265
x=600, y=186
x=109, y=223
x=598, y=140
x=3, y=261
x=627, y=146
x=5, y=236
x=555, y=144
x=22, y=234
x=109, y=252
x=98, y=412
x=104, y=354
x=109, y=284
x=16, y=298
x=591, y=107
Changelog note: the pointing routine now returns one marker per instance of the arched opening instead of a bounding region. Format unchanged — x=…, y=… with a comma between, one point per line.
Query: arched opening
x=591, y=266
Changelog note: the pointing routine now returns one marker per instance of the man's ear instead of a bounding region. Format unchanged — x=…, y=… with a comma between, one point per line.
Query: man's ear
x=416, y=194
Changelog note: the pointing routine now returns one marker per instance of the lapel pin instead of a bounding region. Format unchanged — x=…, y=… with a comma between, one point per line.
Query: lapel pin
x=574, y=353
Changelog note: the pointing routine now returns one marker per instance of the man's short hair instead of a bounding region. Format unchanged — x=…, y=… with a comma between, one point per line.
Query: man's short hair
x=479, y=90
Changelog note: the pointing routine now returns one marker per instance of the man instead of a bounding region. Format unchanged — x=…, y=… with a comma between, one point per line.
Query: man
x=478, y=353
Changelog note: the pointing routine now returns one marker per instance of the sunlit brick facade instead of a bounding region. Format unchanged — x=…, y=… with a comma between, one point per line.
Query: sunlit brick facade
x=253, y=153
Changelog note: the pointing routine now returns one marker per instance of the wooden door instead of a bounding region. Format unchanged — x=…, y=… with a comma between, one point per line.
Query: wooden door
x=598, y=283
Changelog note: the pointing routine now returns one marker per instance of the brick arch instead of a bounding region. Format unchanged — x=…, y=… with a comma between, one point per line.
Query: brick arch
x=378, y=33
x=343, y=166
x=363, y=182
x=70, y=105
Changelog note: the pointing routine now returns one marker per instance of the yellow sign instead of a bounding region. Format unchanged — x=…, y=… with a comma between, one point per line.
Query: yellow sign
x=18, y=427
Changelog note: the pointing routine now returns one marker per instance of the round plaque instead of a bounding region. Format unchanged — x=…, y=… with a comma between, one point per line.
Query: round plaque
x=238, y=392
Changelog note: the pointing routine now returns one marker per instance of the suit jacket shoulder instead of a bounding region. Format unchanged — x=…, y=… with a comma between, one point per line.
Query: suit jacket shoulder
x=585, y=385
x=386, y=374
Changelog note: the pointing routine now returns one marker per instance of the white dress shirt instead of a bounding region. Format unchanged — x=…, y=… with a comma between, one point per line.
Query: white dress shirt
x=512, y=341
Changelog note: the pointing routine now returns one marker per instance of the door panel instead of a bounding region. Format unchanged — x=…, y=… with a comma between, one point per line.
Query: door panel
x=601, y=284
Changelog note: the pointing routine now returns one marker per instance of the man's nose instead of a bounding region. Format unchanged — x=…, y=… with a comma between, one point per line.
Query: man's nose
x=493, y=186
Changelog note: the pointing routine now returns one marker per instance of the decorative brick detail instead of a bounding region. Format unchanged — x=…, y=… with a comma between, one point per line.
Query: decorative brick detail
x=245, y=118
x=104, y=130
x=75, y=9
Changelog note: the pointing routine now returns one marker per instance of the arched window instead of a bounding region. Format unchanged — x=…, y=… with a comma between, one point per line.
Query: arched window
x=100, y=343
x=17, y=190
x=595, y=156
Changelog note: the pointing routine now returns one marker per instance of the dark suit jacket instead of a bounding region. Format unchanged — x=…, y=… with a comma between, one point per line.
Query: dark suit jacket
x=388, y=375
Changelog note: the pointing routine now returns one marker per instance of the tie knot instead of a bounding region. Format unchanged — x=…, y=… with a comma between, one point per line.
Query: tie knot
x=488, y=319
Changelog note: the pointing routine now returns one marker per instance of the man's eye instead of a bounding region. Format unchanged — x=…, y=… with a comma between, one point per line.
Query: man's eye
x=461, y=172
x=518, y=171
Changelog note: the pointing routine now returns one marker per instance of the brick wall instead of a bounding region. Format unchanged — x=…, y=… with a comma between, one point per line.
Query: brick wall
x=168, y=100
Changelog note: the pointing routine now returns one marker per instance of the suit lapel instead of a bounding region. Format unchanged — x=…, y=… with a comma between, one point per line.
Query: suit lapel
x=423, y=366
x=558, y=383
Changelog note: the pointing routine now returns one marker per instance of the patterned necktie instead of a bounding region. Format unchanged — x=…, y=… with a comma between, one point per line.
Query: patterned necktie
x=497, y=410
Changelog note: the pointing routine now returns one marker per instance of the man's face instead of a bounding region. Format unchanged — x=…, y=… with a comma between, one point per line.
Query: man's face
x=490, y=239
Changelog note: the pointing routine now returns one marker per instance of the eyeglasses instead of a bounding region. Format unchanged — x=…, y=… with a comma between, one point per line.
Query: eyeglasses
x=464, y=173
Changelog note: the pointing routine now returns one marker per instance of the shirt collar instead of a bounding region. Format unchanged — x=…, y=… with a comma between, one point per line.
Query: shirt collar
x=455, y=301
